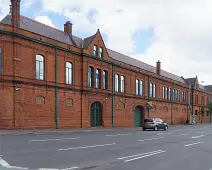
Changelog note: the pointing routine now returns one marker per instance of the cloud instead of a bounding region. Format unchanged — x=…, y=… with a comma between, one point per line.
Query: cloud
x=4, y=8
x=45, y=20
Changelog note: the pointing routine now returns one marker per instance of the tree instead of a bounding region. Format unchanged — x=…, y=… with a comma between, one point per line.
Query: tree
x=210, y=110
x=202, y=112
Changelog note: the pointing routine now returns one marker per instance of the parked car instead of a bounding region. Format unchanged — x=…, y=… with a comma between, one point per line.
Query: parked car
x=155, y=124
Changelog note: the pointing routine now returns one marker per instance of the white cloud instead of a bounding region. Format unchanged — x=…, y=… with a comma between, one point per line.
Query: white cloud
x=45, y=20
x=4, y=8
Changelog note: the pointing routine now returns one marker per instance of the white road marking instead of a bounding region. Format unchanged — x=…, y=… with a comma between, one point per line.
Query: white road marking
x=120, y=134
x=194, y=137
x=139, y=154
x=47, y=169
x=182, y=134
x=85, y=147
x=144, y=156
x=6, y=165
x=193, y=144
x=71, y=168
x=200, y=132
x=164, y=133
x=3, y=163
x=44, y=140
x=150, y=139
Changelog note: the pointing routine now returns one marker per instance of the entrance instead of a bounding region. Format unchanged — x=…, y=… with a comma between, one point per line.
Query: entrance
x=138, y=116
x=96, y=115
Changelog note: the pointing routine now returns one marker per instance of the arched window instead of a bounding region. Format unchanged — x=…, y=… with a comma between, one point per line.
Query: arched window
x=68, y=73
x=117, y=85
x=137, y=87
x=90, y=77
x=122, y=84
x=98, y=79
x=39, y=67
x=141, y=88
x=105, y=79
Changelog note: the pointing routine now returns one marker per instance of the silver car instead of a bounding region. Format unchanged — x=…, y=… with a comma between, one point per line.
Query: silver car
x=155, y=124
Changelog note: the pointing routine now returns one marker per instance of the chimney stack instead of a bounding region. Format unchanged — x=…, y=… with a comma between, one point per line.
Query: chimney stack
x=158, y=67
x=15, y=13
x=68, y=28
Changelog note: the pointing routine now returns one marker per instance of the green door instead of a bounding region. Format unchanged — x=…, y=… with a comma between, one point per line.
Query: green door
x=138, y=116
x=96, y=115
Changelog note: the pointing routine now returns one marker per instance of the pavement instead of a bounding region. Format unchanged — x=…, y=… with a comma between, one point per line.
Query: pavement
x=181, y=147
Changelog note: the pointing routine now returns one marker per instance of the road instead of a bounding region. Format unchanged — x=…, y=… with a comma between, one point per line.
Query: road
x=186, y=148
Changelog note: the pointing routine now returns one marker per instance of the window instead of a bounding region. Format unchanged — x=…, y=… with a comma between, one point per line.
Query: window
x=98, y=78
x=196, y=99
x=105, y=80
x=176, y=94
x=95, y=50
x=117, y=84
x=202, y=100
x=170, y=94
x=137, y=87
x=191, y=99
x=165, y=93
x=208, y=113
x=39, y=67
x=68, y=73
x=101, y=55
x=91, y=77
x=1, y=61
x=184, y=97
x=152, y=90
x=122, y=84
x=141, y=88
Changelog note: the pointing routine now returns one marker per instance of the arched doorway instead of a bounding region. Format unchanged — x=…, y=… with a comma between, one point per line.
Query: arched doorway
x=96, y=115
x=138, y=116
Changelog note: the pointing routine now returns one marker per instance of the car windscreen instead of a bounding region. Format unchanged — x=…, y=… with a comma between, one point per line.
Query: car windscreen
x=148, y=120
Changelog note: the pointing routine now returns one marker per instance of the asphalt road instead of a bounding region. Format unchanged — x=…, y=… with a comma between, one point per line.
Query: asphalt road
x=184, y=148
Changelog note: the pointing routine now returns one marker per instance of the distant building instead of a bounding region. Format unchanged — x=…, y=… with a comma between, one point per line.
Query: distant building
x=52, y=79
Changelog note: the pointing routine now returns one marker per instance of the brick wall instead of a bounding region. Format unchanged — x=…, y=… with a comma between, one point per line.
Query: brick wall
x=34, y=105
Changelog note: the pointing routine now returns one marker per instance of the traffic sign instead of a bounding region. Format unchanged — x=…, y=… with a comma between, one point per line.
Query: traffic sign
x=149, y=105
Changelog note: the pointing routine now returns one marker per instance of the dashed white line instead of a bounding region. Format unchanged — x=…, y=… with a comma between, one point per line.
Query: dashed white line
x=193, y=144
x=150, y=139
x=47, y=169
x=164, y=133
x=139, y=154
x=182, y=134
x=195, y=137
x=44, y=140
x=71, y=168
x=119, y=134
x=85, y=147
x=144, y=156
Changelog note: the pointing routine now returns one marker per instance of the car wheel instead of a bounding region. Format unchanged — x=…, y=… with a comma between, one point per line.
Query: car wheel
x=166, y=128
x=156, y=128
x=144, y=129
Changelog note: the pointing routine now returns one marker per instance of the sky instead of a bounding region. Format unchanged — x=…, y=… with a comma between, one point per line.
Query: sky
x=176, y=32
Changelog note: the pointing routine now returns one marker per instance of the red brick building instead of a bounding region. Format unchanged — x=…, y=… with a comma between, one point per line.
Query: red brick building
x=52, y=79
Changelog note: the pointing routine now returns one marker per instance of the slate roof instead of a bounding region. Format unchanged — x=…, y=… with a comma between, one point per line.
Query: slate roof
x=128, y=60
x=87, y=41
x=191, y=81
x=44, y=30
x=208, y=88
